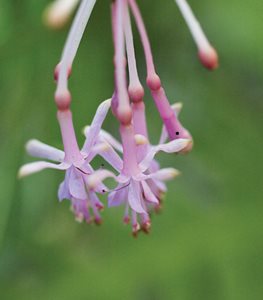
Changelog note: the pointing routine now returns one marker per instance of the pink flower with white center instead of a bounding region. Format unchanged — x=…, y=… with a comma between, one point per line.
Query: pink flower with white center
x=81, y=182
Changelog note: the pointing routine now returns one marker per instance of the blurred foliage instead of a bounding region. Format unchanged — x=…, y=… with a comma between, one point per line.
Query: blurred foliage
x=207, y=243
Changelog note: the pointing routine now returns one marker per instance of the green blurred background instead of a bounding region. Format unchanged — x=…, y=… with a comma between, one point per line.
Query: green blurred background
x=207, y=243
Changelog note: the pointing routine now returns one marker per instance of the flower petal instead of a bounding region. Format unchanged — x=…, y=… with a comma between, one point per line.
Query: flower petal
x=171, y=147
x=38, y=166
x=38, y=149
x=96, y=124
x=97, y=177
x=111, y=140
x=111, y=156
x=119, y=196
x=148, y=194
x=135, y=197
x=76, y=184
x=163, y=174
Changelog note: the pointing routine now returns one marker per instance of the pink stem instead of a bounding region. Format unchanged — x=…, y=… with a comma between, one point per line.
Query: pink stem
x=124, y=113
x=174, y=128
x=136, y=91
x=130, y=165
x=121, y=105
x=72, y=152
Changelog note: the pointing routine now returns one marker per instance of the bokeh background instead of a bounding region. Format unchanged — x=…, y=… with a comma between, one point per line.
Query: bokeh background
x=208, y=242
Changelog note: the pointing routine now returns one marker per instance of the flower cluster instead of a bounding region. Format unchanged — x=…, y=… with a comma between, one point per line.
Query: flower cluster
x=140, y=182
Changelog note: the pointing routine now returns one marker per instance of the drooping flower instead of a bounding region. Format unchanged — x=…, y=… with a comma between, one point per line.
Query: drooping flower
x=140, y=178
x=141, y=185
x=81, y=181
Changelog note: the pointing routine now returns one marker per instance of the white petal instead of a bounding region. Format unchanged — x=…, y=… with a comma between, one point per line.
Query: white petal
x=164, y=174
x=149, y=195
x=112, y=158
x=135, y=197
x=171, y=147
x=95, y=127
x=111, y=140
x=38, y=166
x=97, y=177
x=77, y=185
x=38, y=149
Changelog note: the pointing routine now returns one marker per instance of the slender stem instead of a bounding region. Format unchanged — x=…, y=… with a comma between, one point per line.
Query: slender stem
x=172, y=124
x=123, y=110
x=144, y=37
x=72, y=43
x=207, y=53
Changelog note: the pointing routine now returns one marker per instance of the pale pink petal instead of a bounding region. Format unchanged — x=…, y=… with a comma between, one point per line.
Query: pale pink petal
x=163, y=174
x=38, y=149
x=112, y=158
x=38, y=166
x=76, y=184
x=63, y=190
x=96, y=124
x=106, y=151
x=160, y=185
x=119, y=196
x=97, y=177
x=111, y=140
x=148, y=194
x=135, y=197
x=171, y=147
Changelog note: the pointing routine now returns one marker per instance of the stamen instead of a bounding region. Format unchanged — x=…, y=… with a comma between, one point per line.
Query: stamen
x=135, y=225
x=207, y=54
x=126, y=218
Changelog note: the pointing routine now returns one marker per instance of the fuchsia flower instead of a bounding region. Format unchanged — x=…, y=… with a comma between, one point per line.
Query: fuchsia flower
x=81, y=182
x=141, y=181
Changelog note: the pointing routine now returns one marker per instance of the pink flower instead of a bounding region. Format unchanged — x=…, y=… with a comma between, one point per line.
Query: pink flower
x=140, y=185
x=81, y=181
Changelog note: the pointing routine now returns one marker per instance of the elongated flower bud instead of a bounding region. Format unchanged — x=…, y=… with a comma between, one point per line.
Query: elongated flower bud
x=207, y=54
